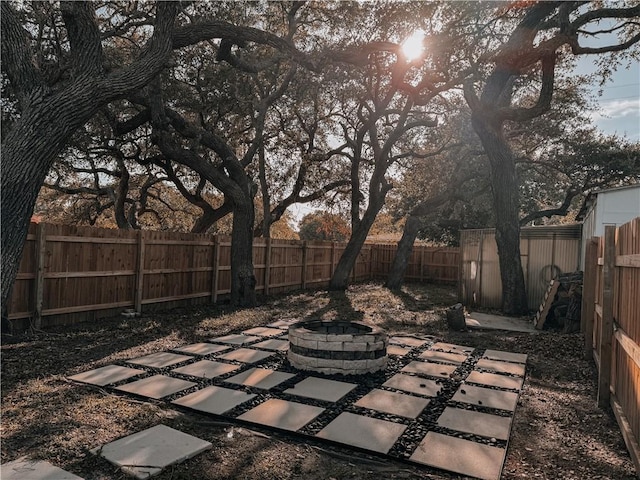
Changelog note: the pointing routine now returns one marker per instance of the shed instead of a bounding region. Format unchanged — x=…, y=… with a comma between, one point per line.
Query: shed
x=613, y=206
x=546, y=251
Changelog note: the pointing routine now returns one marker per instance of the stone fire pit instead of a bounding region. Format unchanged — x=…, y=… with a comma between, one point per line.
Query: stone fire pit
x=330, y=347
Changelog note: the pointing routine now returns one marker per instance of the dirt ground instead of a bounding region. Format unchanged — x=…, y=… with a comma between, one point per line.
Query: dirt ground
x=558, y=431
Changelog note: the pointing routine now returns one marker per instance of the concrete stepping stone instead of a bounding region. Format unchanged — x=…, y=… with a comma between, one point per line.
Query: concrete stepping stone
x=260, y=378
x=505, y=356
x=212, y=399
x=246, y=355
x=206, y=369
x=147, y=453
x=273, y=344
x=486, y=397
x=263, y=331
x=394, y=403
x=483, y=424
x=397, y=350
x=235, y=339
x=202, y=348
x=411, y=384
x=157, y=386
x=282, y=324
x=495, y=380
x=501, y=367
x=105, y=375
x=160, y=359
x=452, y=348
x=407, y=341
x=25, y=469
x=282, y=414
x=427, y=368
x=460, y=456
x=364, y=432
x=321, y=389
x=444, y=357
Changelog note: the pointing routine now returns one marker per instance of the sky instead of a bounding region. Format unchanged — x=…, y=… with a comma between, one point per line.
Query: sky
x=619, y=103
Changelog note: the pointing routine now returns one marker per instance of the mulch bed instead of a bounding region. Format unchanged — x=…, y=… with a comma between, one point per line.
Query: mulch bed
x=558, y=431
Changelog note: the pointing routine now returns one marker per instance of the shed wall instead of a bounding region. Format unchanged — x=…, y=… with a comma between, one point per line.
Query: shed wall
x=545, y=252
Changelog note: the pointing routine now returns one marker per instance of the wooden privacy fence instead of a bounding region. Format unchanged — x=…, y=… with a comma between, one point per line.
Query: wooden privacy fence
x=69, y=273
x=436, y=264
x=611, y=322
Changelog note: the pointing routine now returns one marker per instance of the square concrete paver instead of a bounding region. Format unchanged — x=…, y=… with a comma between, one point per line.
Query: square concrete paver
x=25, y=469
x=282, y=414
x=282, y=324
x=206, y=369
x=407, y=341
x=460, y=456
x=147, y=453
x=157, y=386
x=260, y=378
x=495, y=380
x=501, y=367
x=483, y=424
x=505, y=356
x=444, y=357
x=395, y=403
x=235, y=339
x=202, y=348
x=397, y=350
x=264, y=331
x=160, y=359
x=246, y=355
x=486, y=397
x=452, y=348
x=273, y=344
x=321, y=389
x=409, y=383
x=432, y=369
x=105, y=375
x=214, y=399
x=364, y=432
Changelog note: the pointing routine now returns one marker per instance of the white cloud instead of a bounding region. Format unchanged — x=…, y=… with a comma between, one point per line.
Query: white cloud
x=616, y=109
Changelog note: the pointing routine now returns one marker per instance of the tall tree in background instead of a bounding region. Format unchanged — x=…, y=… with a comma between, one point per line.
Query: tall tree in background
x=543, y=35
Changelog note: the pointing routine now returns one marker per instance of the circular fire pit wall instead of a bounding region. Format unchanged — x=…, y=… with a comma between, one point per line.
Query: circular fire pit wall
x=349, y=348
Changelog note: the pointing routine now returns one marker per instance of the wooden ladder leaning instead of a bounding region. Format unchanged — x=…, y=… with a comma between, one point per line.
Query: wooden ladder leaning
x=545, y=306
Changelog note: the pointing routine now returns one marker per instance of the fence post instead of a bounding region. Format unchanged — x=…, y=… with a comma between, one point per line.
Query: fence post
x=604, y=377
x=214, y=270
x=267, y=266
x=137, y=302
x=41, y=242
x=421, y=263
x=333, y=259
x=588, y=295
x=304, y=264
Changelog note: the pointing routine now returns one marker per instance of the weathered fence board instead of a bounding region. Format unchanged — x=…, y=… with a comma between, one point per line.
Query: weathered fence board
x=611, y=323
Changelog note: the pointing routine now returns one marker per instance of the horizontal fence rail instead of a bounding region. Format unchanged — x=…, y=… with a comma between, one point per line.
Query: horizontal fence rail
x=69, y=274
x=611, y=324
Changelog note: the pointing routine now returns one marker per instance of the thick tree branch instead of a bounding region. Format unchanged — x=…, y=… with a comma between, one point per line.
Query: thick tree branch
x=84, y=37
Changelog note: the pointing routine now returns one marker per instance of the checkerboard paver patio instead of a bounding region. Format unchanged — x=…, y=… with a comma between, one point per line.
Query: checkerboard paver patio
x=433, y=397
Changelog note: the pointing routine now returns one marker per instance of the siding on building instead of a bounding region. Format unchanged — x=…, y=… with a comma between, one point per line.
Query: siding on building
x=546, y=251
x=615, y=206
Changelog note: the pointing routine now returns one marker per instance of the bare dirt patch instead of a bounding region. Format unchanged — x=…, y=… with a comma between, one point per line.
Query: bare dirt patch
x=558, y=431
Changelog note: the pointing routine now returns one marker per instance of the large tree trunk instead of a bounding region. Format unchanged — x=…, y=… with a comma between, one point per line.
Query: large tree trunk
x=243, y=280
x=506, y=206
x=401, y=259
x=347, y=262
x=27, y=155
